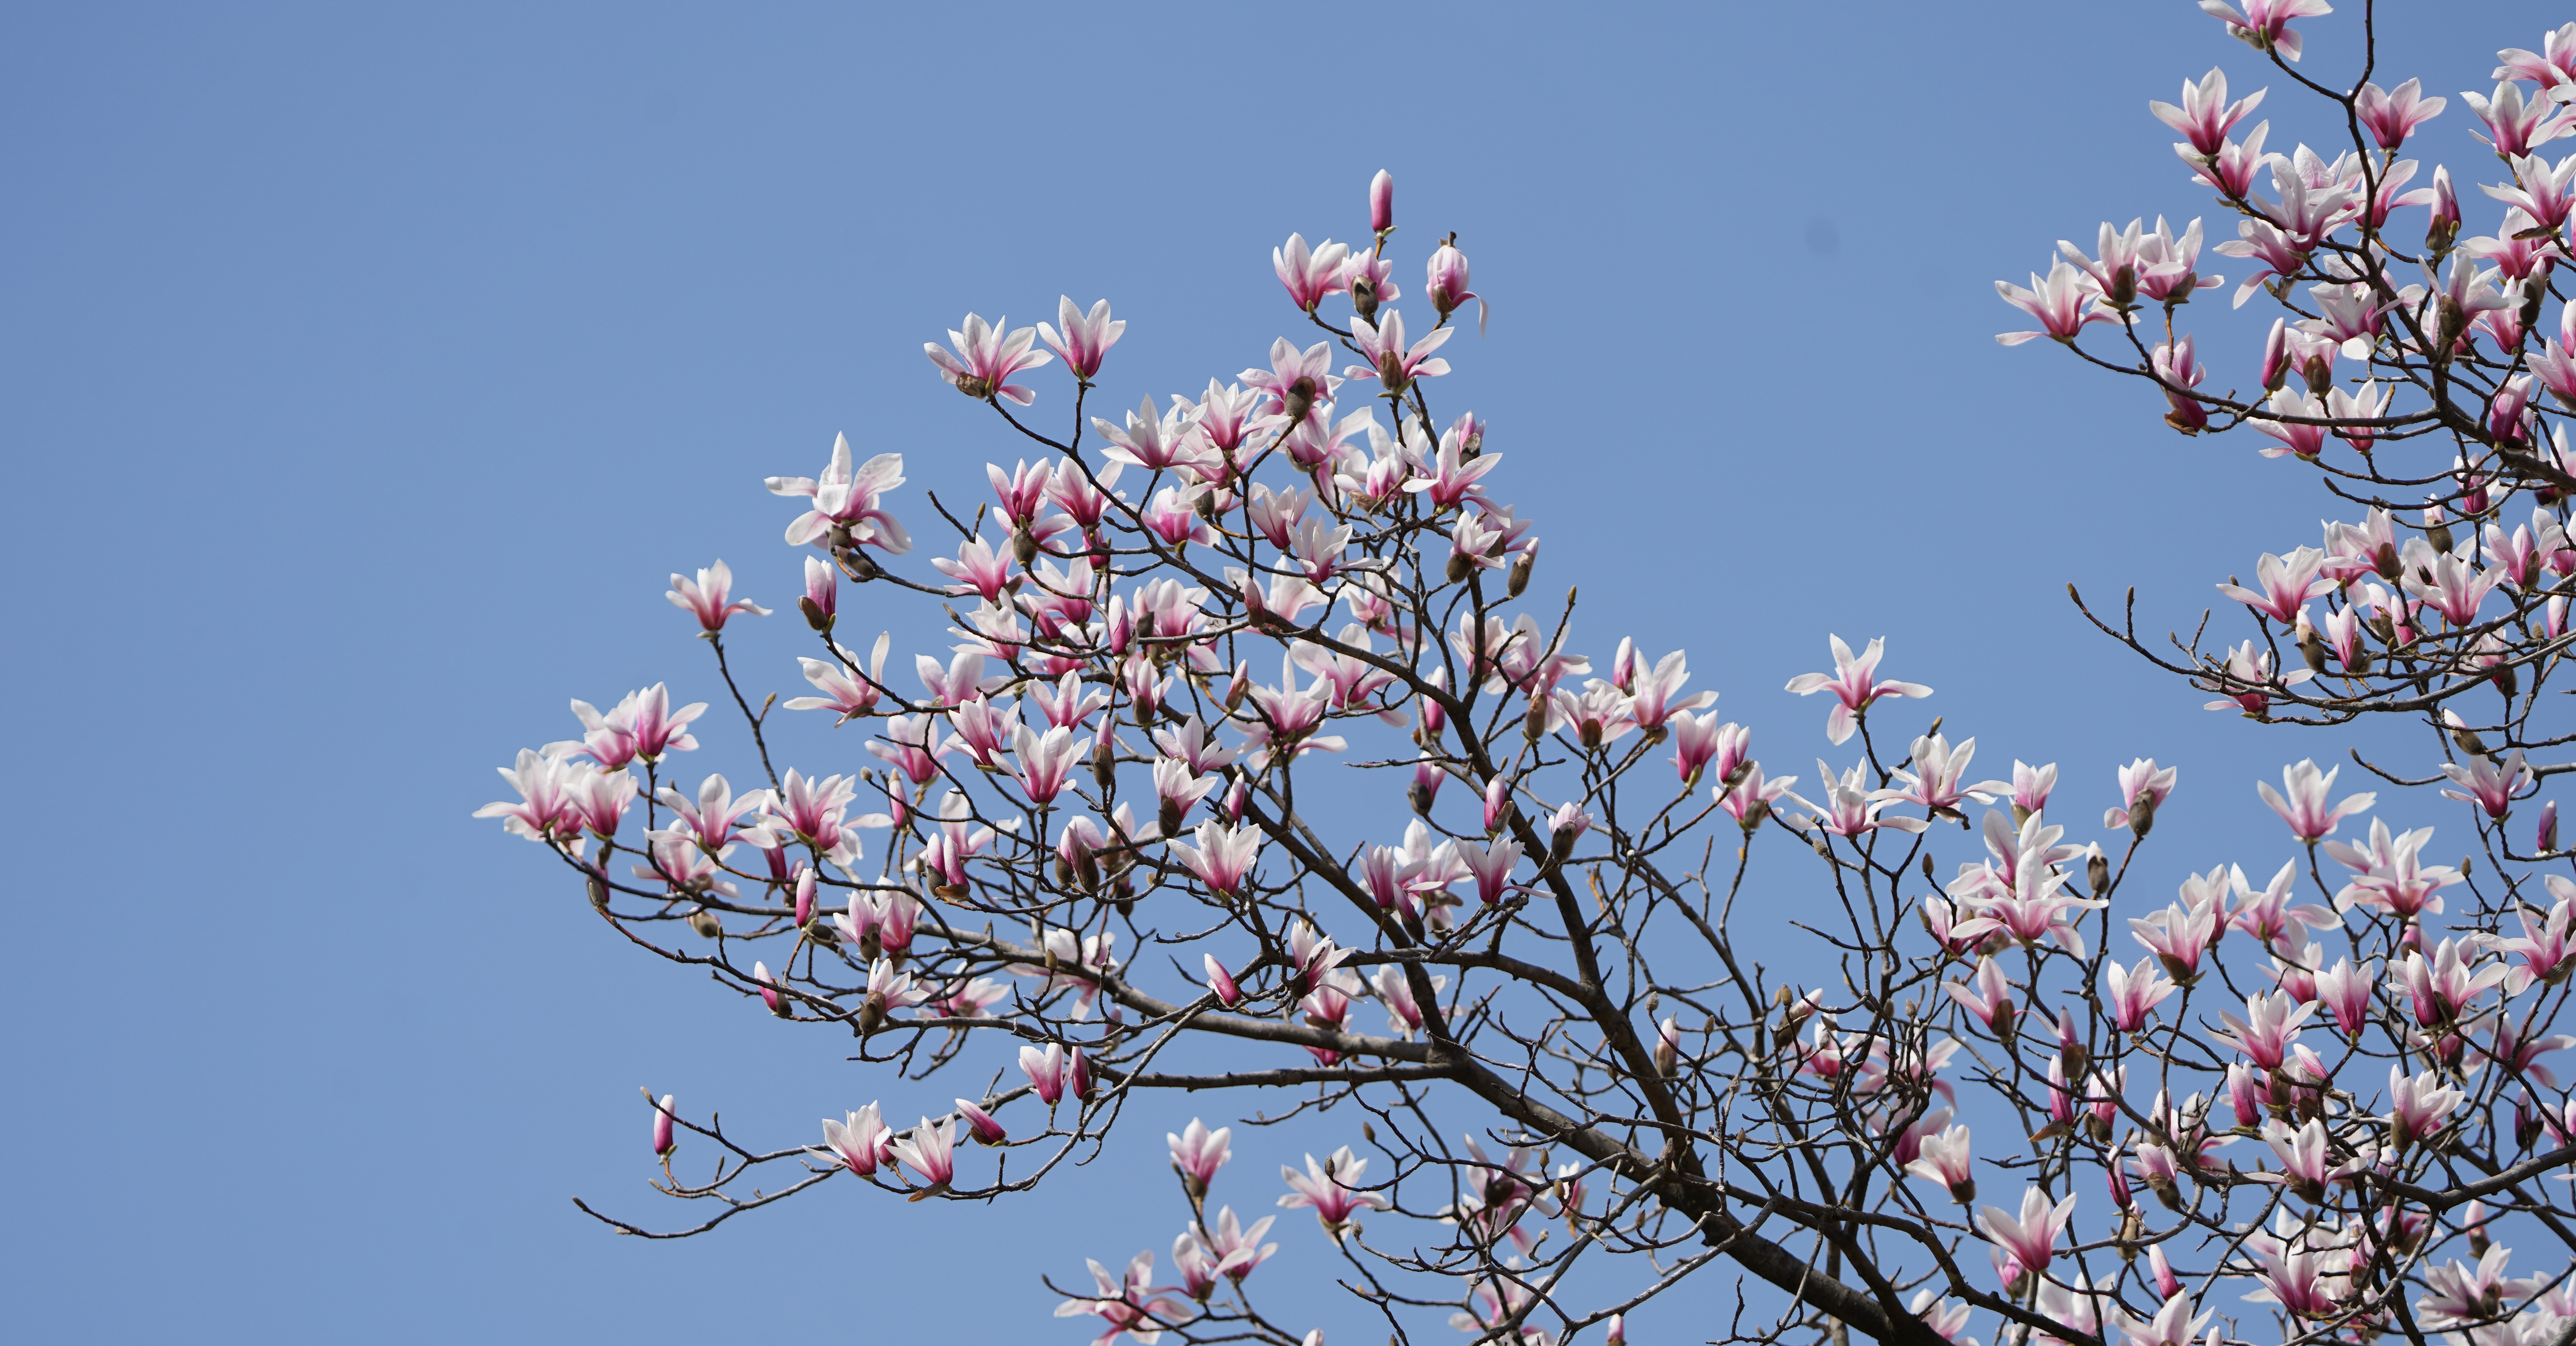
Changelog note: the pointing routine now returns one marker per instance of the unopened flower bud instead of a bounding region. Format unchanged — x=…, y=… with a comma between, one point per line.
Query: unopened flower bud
x=1518, y=577
x=822, y=600
x=2548, y=838
x=804, y=896
x=2276, y=355
x=2142, y=815
x=1222, y=982
x=1534, y=721
x=2318, y=373
x=1298, y=400
x=2438, y=534
x=706, y=923
x=1424, y=788
x=2444, y=229
x=2097, y=870
x=599, y=890
x=872, y=1013
x=1024, y=544
x=663, y=1141
x=1381, y=202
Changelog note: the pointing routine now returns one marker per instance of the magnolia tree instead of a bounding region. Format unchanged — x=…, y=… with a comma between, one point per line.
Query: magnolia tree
x=1093, y=854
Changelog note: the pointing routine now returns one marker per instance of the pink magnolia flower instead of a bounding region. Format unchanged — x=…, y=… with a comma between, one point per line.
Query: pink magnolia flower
x=2030, y=1239
x=2269, y=916
x=546, y=811
x=2058, y=302
x=2389, y=875
x=2491, y=785
x=2391, y=115
x=2345, y=992
x=2292, y=1277
x=1446, y=283
x=1087, y=338
x=2231, y=171
x=847, y=499
x=1046, y=761
x=2268, y=1030
x=1223, y=857
x=1946, y=1158
x=861, y=1143
x=2177, y=368
x=1197, y=1153
x=2265, y=24
x=1222, y=982
x=847, y=685
x=1235, y=1248
x=2514, y=127
x=2205, y=115
x=1046, y=1071
x=2244, y=678
x=1855, y=685
x=2143, y=788
x=1699, y=740
x=663, y=1143
x=1932, y=776
x=1329, y=1189
x=1988, y=996
x=1393, y=364
x=2543, y=945
x=985, y=359
x=2418, y=1104
x=1129, y=1304
x=1296, y=380
x=2179, y=934
x=2135, y=993
x=2553, y=65
x=1309, y=274
x=1750, y=800
x=1154, y=442
x=2306, y=1166
x=1849, y=810
x=2287, y=584
x=2302, y=800
x=710, y=597
x=931, y=1151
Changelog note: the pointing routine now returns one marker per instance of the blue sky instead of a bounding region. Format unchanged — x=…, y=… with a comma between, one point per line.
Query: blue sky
x=367, y=372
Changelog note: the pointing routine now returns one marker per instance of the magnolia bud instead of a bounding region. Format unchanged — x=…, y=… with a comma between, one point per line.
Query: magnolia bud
x=663, y=1141
x=1024, y=545
x=2142, y=816
x=872, y=1013
x=822, y=598
x=2097, y=871
x=2548, y=838
x=1364, y=297
x=599, y=890
x=706, y=923
x=2439, y=535
x=1381, y=202
x=1222, y=982
x=1534, y=721
x=1298, y=400
x=2319, y=374
x=804, y=896
x=1518, y=577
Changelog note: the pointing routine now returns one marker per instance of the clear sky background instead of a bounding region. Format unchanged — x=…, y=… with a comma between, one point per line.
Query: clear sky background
x=366, y=373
